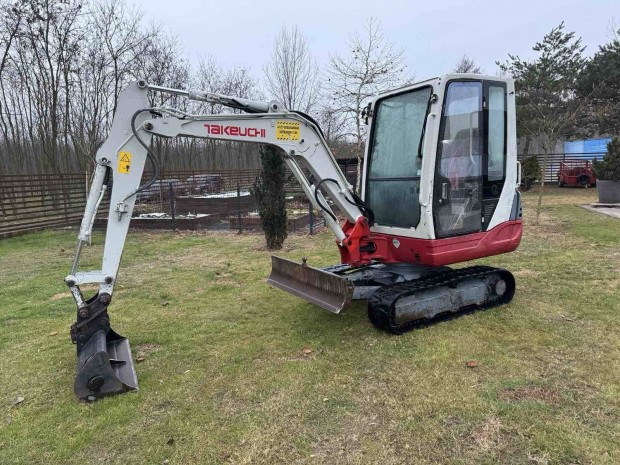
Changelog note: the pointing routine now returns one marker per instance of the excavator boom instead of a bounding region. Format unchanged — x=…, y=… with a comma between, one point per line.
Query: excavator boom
x=104, y=357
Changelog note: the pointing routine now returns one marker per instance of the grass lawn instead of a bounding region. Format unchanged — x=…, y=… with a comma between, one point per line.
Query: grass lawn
x=236, y=372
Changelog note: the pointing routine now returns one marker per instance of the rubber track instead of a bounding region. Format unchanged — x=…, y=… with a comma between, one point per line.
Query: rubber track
x=382, y=303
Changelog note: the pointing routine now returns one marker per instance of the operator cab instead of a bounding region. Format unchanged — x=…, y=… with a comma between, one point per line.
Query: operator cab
x=445, y=138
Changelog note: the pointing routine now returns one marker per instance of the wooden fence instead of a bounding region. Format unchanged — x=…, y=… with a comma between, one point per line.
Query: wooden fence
x=35, y=202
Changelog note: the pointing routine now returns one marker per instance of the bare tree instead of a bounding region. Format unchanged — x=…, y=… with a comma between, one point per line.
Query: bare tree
x=125, y=40
x=11, y=17
x=63, y=64
x=373, y=65
x=212, y=77
x=614, y=29
x=467, y=65
x=333, y=123
x=292, y=73
x=37, y=88
x=115, y=49
x=162, y=63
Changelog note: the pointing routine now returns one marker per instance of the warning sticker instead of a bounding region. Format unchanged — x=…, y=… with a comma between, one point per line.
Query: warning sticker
x=124, y=161
x=288, y=130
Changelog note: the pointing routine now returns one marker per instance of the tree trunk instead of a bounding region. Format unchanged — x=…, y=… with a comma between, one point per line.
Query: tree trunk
x=542, y=183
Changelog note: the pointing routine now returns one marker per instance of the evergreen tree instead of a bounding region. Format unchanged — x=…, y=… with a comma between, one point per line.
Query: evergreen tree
x=609, y=168
x=530, y=172
x=600, y=83
x=270, y=196
x=548, y=106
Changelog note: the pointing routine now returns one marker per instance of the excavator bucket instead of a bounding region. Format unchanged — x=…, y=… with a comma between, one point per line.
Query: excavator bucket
x=105, y=365
x=322, y=288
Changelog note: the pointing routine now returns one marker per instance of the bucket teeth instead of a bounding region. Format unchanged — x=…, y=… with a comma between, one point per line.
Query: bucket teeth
x=322, y=288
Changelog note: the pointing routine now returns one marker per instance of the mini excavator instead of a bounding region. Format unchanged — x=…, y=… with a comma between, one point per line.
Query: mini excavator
x=439, y=187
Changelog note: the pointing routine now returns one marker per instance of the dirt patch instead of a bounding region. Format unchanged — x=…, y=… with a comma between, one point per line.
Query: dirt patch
x=526, y=273
x=530, y=393
x=613, y=285
x=144, y=349
x=487, y=435
x=305, y=354
x=60, y=296
x=148, y=347
x=231, y=403
x=548, y=228
x=223, y=281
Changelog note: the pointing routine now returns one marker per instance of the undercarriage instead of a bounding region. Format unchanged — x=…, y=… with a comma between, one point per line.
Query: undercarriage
x=401, y=296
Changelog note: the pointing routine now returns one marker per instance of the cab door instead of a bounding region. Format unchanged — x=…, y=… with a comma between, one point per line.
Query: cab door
x=458, y=187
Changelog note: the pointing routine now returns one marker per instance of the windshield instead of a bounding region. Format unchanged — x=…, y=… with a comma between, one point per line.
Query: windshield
x=393, y=178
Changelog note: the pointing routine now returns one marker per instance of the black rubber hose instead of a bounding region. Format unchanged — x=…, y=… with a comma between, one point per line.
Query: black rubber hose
x=311, y=119
x=358, y=202
x=366, y=210
x=149, y=154
x=316, y=197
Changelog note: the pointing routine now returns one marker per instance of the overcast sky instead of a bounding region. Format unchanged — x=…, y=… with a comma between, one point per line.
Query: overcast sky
x=433, y=33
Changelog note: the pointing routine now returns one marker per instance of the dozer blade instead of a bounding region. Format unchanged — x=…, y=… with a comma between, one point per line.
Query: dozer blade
x=327, y=290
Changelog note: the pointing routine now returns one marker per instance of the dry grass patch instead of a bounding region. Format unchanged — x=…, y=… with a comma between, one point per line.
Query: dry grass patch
x=529, y=394
x=526, y=273
x=60, y=296
x=487, y=436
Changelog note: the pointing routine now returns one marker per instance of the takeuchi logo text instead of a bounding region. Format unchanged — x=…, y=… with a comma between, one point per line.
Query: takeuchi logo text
x=219, y=130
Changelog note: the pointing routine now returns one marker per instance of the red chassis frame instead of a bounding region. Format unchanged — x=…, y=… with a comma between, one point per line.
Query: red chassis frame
x=362, y=246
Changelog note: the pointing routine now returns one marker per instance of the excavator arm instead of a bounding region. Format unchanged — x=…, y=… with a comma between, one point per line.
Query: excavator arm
x=105, y=364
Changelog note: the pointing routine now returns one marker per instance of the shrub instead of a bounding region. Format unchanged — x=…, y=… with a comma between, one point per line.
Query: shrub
x=609, y=168
x=268, y=190
x=530, y=172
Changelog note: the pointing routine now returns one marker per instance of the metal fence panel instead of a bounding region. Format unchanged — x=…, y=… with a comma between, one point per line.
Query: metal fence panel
x=34, y=202
x=554, y=160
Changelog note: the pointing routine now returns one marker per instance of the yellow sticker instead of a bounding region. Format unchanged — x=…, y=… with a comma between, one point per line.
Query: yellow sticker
x=288, y=130
x=124, y=161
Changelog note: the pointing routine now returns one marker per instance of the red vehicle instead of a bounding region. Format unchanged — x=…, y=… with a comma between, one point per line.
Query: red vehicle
x=576, y=173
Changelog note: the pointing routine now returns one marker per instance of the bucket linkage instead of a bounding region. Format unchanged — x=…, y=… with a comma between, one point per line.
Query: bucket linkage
x=105, y=366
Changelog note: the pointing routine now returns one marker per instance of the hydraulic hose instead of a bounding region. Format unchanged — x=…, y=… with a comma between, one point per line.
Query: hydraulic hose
x=325, y=208
x=149, y=154
x=358, y=202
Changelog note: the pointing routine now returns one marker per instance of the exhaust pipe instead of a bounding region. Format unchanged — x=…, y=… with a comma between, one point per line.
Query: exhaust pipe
x=105, y=366
x=322, y=288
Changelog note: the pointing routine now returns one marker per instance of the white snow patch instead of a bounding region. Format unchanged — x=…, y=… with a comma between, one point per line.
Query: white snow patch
x=166, y=216
x=224, y=195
